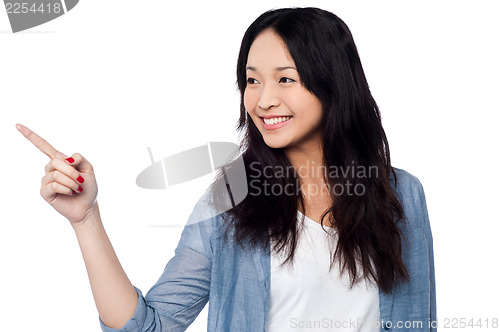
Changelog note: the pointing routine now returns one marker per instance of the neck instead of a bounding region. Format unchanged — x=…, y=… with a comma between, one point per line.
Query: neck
x=308, y=163
x=307, y=160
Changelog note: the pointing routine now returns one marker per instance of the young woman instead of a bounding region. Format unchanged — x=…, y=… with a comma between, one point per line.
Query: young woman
x=329, y=237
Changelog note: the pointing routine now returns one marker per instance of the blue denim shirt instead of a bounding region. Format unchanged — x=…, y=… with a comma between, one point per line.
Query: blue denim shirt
x=236, y=282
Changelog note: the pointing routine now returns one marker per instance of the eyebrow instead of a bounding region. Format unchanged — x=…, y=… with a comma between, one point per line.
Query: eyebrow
x=276, y=69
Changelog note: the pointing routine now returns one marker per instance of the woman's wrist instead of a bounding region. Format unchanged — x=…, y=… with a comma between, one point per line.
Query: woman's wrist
x=91, y=219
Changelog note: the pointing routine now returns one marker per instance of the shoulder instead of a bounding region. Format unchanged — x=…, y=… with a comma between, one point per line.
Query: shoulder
x=204, y=222
x=411, y=194
x=407, y=185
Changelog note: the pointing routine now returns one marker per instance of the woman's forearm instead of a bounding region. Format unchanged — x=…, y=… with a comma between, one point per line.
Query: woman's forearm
x=114, y=294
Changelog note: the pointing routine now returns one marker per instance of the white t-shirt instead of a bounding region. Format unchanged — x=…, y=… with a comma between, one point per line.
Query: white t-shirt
x=308, y=297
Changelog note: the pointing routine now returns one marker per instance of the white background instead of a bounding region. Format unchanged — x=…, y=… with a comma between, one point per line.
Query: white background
x=111, y=78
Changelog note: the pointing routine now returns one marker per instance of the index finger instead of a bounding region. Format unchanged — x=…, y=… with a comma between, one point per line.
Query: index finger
x=40, y=143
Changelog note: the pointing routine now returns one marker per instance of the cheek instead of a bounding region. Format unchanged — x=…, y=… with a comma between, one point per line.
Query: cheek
x=300, y=104
x=312, y=105
x=316, y=109
x=309, y=109
x=249, y=101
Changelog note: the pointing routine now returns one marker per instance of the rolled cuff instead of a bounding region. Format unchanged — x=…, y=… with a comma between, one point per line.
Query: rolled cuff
x=135, y=323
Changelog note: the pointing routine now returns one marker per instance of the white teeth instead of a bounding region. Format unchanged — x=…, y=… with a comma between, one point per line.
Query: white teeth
x=276, y=120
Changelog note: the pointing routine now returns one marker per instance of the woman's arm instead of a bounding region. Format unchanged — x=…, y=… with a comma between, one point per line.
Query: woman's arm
x=70, y=187
x=182, y=290
x=114, y=295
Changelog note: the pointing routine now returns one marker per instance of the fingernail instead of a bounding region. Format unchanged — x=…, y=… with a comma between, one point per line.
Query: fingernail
x=80, y=179
x=70, y=160
x=80, y=189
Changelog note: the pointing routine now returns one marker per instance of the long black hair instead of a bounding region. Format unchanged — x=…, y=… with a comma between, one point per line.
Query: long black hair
x=369, y=240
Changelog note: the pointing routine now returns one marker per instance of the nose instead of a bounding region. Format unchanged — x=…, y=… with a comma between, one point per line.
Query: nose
x=269, y=98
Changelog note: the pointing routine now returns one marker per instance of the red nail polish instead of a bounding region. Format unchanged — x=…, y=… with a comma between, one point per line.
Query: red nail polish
x=70, y=160
x=80, y=189
x=80, y=179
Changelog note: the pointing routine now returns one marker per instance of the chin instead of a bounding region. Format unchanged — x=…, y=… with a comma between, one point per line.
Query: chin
x=275, y=143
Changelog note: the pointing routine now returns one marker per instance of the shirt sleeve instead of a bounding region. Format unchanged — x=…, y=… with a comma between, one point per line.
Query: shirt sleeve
x=430, y=251
x=182, y=290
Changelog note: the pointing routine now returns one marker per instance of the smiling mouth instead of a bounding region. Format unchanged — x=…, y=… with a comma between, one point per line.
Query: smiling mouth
x=275, y=120
x=272, y=123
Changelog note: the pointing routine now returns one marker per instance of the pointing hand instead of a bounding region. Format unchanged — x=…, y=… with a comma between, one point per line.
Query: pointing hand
x=69, y=184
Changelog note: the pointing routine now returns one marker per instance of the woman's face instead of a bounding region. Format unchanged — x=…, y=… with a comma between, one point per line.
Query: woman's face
x=275, y=94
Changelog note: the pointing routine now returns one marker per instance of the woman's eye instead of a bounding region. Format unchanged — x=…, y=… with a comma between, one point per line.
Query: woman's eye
x=286, y=80
x=252, y=80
